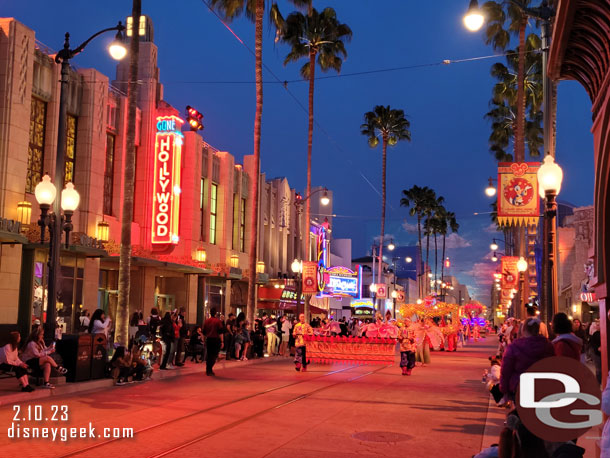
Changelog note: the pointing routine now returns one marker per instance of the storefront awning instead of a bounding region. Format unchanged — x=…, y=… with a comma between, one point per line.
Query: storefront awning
x=148, y=262
x=11, y=237
x=88, y=252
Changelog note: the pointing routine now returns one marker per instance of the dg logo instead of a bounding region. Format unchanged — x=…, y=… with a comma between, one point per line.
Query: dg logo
x=559, y=399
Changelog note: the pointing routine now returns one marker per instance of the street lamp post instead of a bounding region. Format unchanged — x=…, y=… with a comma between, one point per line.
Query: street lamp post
x=522, y=268
x=56, y=224
x=297, y=269
x=550, y=177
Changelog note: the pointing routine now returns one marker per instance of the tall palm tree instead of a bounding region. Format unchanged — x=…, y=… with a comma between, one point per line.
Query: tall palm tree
x=418, y=199
x=254, y=10
x=122, y=312
x=498, y=13
x=504, y=102
x=391, y=126
x=317, y=36
x=449, y=224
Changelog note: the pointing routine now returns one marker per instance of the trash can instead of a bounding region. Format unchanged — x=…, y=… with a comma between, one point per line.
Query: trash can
x=99, y=358
x=75, y=350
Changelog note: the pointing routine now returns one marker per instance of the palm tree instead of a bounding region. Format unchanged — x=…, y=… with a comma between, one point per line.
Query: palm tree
x=449, y=223
x=504, y=102
x=254, y=10
x=391, y=126
x=418, y=198
x=497, y=14
x=315, y=36
x=122, y=312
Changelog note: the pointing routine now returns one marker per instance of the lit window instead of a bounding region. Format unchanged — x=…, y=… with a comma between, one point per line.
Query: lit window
x=109, y=174
x=38, y=118
x=213, y=209
x=70, y=148
x=242, y=227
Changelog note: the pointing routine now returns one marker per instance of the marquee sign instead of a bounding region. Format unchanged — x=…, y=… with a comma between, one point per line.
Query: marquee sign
x=363, y=308
x=518, y=201
x=166, y=184
x=343, y=282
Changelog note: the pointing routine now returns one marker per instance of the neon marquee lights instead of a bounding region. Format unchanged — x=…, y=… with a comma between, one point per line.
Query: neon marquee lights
x=166, y=185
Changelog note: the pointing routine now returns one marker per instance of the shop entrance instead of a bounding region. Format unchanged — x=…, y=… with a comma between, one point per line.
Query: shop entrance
x=165, y=303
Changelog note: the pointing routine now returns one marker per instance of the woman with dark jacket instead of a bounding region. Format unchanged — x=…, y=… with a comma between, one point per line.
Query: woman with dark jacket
x=167, y=337
x=521, y=354
x=196, y=345
x=566, y=343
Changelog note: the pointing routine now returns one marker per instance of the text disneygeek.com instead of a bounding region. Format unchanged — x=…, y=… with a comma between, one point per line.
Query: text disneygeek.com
x=36, y=413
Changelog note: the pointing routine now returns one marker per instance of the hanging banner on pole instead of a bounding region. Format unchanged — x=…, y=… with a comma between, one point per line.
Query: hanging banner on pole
x=510, y=273
x=310, y=277
x=518, y=200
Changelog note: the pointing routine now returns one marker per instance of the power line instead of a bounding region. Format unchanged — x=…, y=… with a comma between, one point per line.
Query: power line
x=350, y=74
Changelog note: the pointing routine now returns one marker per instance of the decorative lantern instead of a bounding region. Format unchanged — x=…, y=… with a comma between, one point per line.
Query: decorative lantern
x=260, y=267
x=103, y=231
x=24, y=212
x=200, y=254
x=234, y=261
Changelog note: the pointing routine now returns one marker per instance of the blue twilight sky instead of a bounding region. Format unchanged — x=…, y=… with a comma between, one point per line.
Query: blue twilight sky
x=445, y=104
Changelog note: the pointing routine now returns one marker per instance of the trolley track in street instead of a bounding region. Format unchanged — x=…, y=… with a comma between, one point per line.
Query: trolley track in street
x=226, y=404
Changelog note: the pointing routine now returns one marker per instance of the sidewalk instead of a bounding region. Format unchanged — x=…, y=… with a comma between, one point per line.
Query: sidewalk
x=10, y=393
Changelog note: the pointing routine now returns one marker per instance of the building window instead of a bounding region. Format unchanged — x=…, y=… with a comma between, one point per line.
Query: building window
x=109, y=174
x=235, y=238
x=38, y=120
x=242, y=226
x=70, y=147
x=202, y=208
x=213, y=210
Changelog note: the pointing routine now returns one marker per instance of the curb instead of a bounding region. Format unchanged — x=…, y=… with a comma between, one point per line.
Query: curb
x=93, y=385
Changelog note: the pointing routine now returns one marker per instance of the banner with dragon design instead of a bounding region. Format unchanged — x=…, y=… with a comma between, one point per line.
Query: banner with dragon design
x=518, y=199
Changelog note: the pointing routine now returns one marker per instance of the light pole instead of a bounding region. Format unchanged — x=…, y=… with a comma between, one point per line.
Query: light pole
x=117, y=51
x=550, y=177
x=522, y=268
x=297, y=269
x=408, y=260
x=299, y=201
x=491, y=190
x=46, y=194
x=390, y=247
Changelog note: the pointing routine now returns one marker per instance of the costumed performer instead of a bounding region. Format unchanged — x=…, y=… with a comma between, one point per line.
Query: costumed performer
x=406, y=337
x=452, y=336
x=301, y=329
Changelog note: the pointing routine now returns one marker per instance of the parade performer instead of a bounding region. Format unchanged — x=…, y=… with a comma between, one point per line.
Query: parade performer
x=452, y=336
x=476, y=332
x=300, y=330
x=406, y=337
x=427, y=335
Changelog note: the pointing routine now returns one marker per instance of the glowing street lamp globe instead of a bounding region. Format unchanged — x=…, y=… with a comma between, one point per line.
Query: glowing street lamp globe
x=117, y=48
x=296, y=266
x=494, y=247
x=521, y=264
x=408, y=259
x=550, y=177
x=325, y=200
x=45, y=191
x=70, y=198
x=391, y=246
x=473, y=19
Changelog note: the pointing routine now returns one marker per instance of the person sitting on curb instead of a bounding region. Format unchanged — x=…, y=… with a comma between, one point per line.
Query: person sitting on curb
x=9, y=361
x=36, y=356
x=121, y=366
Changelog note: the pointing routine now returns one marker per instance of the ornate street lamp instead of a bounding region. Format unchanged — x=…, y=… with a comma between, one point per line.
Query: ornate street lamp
x=260, y=267
x=63, y=57
x=490, y=190
x=69, y=203
x=474, y=19
x=103, y=231
x=201, y=255
x=550, y=177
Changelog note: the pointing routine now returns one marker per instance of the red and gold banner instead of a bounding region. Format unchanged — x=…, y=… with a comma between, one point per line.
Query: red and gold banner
x=310, y=277
x=510, y=273
x=518, y=200
x=351, y=350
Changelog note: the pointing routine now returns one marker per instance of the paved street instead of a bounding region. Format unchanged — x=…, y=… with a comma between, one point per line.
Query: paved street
x=270, y=410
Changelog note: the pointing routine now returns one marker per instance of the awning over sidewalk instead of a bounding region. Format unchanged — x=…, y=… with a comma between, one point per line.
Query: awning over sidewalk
x=148, y=262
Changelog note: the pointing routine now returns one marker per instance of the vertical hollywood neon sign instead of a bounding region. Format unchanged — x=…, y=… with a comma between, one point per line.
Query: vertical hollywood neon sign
x=166, y=185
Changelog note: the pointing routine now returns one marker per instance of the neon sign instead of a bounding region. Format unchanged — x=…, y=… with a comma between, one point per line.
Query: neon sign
x=343, y=281
x=322, y=256
x=166, y=184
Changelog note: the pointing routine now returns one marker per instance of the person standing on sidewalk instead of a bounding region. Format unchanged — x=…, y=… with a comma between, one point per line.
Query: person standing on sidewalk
x=271, y=329
x=301, y=329
x=212, y=330
x=286, y=331
x=182, y=334
x=167, y=337
x=229, y=338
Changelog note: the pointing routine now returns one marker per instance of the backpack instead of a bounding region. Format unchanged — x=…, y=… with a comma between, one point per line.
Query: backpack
x=153, y=325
